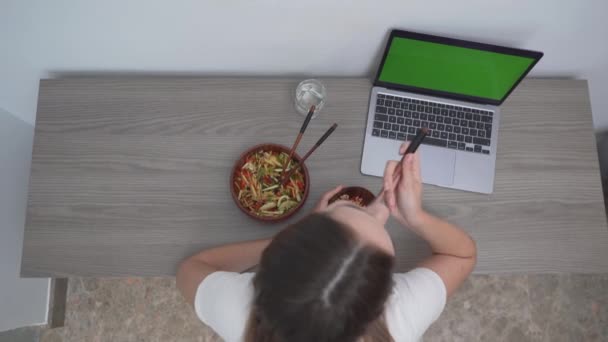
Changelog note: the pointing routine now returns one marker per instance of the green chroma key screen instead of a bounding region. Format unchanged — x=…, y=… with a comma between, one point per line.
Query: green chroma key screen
x=452, y=69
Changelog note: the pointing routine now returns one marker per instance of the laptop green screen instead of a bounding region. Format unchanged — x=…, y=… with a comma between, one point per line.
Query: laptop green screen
x=452, y=69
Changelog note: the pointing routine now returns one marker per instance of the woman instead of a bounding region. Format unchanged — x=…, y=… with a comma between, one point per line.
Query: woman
x=329, y=277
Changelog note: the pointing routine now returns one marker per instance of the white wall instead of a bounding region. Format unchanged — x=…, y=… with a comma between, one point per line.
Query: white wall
x=278, y=36
x=22, y=301
x=315, y=37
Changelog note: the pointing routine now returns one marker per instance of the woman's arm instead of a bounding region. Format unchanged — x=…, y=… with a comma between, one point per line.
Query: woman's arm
x=454, y=251
x=444, y=237
x=236, y=257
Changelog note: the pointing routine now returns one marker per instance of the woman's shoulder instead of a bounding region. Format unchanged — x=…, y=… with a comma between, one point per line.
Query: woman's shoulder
x=228, y=277
x=417, y=300
x=223, y=301
x=224, y=285
x=416, y=277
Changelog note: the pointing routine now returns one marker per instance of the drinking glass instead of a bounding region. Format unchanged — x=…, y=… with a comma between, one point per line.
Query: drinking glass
x=310, y=93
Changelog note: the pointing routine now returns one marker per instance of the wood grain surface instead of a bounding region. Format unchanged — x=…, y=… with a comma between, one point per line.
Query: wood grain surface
x=130, y=175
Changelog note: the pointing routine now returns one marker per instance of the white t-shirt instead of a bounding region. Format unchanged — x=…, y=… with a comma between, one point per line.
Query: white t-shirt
x=223, y=302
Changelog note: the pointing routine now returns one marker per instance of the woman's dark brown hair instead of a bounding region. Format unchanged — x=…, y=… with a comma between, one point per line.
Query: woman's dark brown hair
x=317, y=282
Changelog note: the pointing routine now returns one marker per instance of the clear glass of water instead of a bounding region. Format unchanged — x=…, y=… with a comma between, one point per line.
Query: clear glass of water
x=310, y=93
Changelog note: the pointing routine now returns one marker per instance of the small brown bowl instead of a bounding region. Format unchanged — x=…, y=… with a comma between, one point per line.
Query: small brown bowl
x=239, y=164
x=354, y=191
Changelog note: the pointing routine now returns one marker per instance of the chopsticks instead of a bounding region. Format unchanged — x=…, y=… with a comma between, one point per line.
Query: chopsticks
x=422, y=133
x=315, y=146
x=311, y=111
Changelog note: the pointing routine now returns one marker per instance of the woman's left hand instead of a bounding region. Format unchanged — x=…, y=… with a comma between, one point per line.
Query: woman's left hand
x=324, y=201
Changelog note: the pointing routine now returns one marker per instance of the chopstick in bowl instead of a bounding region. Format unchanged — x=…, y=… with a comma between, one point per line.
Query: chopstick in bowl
x=314, y=147
x=311, y=111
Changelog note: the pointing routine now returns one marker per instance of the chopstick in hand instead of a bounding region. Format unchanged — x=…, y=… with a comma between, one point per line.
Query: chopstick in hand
x=413, y=146
x=315, y=146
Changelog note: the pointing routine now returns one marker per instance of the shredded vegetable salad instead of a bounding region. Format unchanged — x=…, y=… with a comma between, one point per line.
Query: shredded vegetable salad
x=258, y=184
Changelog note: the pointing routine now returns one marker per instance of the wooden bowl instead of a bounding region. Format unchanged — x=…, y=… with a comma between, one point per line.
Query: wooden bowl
x=353, y=191
x=239, y=164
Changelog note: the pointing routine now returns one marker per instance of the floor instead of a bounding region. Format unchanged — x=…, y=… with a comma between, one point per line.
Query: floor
x=25, y=334
x=487, y=308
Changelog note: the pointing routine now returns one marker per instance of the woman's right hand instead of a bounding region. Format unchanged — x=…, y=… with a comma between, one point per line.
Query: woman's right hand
x=404, y=198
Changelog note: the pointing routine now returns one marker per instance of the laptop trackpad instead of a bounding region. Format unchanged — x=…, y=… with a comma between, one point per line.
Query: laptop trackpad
x=437, y=165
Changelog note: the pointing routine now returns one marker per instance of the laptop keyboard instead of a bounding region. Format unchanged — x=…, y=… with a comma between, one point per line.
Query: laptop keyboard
x=455, y=127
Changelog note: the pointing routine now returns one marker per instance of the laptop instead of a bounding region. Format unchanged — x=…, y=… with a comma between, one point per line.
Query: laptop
x=452, y=87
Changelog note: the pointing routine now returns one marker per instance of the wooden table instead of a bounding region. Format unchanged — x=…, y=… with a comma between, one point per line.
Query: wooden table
x=130, y=175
